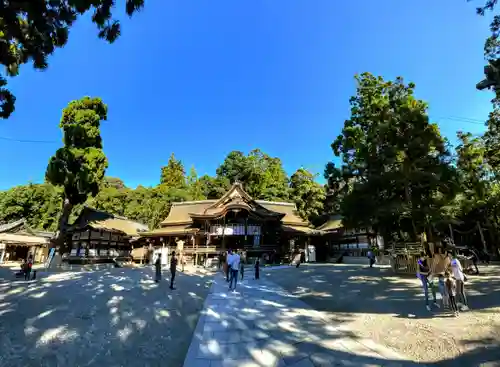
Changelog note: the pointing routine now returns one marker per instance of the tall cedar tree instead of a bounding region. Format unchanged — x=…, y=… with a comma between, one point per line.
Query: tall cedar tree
x=396, y=159
x=79, y=166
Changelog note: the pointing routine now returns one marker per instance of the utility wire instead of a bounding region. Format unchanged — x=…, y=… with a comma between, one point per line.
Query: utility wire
x=463, y=119
x=28, y=141
x=449, y=118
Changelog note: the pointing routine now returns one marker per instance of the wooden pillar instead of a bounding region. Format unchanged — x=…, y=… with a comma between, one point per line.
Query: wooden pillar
x=223, y=234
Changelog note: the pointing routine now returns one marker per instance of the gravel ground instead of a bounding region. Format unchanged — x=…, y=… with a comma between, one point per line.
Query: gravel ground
x=118, y=317
x=375, y=304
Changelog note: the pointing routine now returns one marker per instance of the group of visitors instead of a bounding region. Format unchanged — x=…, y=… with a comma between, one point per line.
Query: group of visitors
x=173, y=269
x=446, y=268
x=233, y=265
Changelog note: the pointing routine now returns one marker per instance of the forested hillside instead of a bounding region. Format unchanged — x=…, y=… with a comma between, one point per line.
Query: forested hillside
x=263, y=176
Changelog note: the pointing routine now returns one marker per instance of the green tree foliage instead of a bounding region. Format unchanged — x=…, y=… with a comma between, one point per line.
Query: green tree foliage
x=115, y=182
x=173, y=175
x=491, y=50
x=31, y=31
x=195, y=186
x=262, y=176
x=395, y=159
x=41, y=204
x=213, y=187
x=307, y=194
x=79, y=166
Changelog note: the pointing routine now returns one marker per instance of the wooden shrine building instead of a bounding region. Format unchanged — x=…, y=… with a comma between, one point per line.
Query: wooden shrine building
x=203, y=229
x=18, y=241
x=99, y=237
x=340, y=240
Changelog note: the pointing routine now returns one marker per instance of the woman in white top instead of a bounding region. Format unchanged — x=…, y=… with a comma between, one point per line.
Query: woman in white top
x=458, y=274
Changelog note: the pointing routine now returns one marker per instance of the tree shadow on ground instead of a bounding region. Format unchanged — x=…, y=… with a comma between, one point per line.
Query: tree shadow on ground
x=353, y=290
x=263, y=325
x=340, y=289
x=105, y=318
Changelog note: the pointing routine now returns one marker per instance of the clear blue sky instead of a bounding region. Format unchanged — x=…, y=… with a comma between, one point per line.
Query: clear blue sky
x=202, y=78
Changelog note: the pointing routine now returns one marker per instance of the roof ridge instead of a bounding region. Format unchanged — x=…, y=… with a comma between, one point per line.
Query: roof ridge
x=114, y=216
x=283, y=203
x=8, y=226
x=177, y=203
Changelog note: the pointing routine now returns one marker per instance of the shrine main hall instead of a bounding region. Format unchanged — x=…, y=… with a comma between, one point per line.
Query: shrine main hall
x=203, y=229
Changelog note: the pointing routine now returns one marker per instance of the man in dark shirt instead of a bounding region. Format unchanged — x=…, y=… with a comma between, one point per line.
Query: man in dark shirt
x=173, y=268
x=423, y=274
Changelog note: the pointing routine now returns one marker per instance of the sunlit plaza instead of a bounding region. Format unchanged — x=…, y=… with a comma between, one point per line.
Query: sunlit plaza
x=314, y=315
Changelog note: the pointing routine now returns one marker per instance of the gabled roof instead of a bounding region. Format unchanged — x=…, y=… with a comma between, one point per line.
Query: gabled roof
x=289, y=210
x=10, y=227
x=182, y=213
x=179, y=212
x=235, y=199
x=332, y=224
x=21, y=227
x=19, y=233
x=22, y=239
x=90, y=217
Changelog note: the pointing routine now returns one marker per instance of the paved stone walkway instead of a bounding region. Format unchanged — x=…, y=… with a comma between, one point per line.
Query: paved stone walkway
x=262, y=325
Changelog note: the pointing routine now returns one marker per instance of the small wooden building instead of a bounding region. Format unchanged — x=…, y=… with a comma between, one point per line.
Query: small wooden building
x=340, y=240
x=18, y=241
x=201, y=230
x=99, y=237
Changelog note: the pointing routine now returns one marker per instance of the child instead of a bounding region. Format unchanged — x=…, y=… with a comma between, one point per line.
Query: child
x=444, y=292
x=451, y=287
x=257, y=269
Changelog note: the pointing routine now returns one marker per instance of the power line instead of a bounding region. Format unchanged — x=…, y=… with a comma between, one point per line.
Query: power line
x=463, y=119
x=28, y=141
x=449, y=118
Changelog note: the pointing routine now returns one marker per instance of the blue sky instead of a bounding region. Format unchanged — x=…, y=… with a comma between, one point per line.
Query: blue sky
x=202, y=78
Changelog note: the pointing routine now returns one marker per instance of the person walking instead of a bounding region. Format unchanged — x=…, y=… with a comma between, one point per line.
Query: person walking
x=460, y=278
x=229, y=259
x=158, y=268
x=173, y=268
x=183, y=261
x=221, y=260
x=28, y=266
x=233, y=268
x=242, y=268
x=257, y=268
x=423, y=275
x=299, y=259
x=371, y=257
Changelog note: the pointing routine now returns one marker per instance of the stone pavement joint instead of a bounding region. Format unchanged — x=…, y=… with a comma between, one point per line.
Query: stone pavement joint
x=262, y=325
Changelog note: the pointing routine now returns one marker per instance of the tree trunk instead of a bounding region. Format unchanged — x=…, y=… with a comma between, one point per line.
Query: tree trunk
x=409, y=201
x=491, y=233
x=406, y=172
x=485, y=248
x=63, y=225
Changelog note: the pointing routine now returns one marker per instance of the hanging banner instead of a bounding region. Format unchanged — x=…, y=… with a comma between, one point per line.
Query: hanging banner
x=50, y=257
x=235, y=230
x=256, y=241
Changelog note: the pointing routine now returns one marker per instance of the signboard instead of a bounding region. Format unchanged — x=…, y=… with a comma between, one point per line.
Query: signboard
x=50, y=257
x=235, y=230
